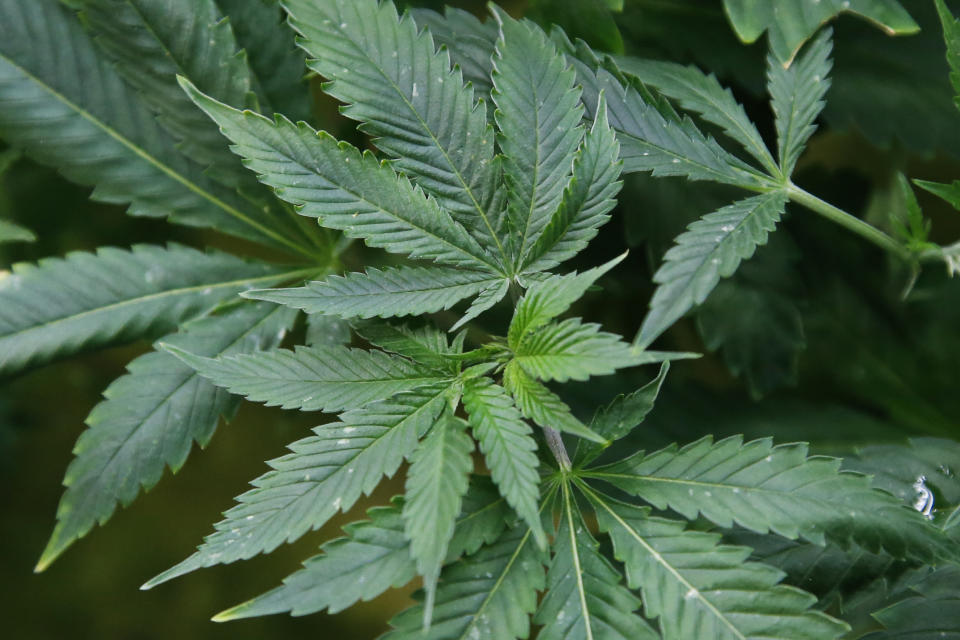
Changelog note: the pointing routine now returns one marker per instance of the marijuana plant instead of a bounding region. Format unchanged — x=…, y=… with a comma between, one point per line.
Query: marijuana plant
x=497, y=157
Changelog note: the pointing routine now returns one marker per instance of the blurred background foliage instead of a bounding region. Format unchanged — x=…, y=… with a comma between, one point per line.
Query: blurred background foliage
x=812, y=340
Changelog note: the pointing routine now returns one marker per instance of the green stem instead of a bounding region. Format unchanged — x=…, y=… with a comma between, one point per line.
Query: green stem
x=850, y=222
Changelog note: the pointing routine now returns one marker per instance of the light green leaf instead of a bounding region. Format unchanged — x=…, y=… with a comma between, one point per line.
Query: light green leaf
x=571, y=350
x=436, y=482
x=12, y=232
x=276, y=63
x=95, y=130
x=150, y=418
x=325, y=474
x=319, y=378
x=710, y=249
x=426, y=345
x=699, y=589
x=489, y=594
x=538, y=115
x=508, y=448
x=620, y=417
x=373, y=557
x=701, y=93
x=541, y=405
x=50, y=309
x=587, y=199
x=384, y=293
x=796, y=97
x=585, y=597
x=951, y=35
x=343, y=188
x=547, y=299
x=950, y=192
x=406, y=96
x=766, y=488
x=789, y=23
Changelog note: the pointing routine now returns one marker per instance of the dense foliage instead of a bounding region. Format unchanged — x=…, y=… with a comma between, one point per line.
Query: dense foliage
x=483, y=180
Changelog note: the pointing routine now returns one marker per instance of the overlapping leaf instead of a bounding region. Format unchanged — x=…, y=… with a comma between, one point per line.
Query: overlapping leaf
x=710, y=249
x=698, y=589
x=317, y=378
x=536, y=402
x=538, y=116
x=325, y=473
x=775, y=488
x=469, y=41
x=508, y=448
x=51, y=309
x=68, y=108
x=343, y=188
x=489, y=594
x=150, y=418
x=385, y=293
x=405, y=94
x=587, y=199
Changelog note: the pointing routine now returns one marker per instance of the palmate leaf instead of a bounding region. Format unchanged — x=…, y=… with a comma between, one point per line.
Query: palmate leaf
x=373, y=557
x=538, y=114
x=405, y=94
x=508, y=448
x=663, y=144
x=51, y=309
x=319, y=378
x=587, y=199
x=702, y=93
x=488, y=594
x=790, y=23
x=698, y=589
x=426, y=345
x=438, y=478
x=620, y=417
x=710, y=249
x=775, y=488
x=384, y=293
x=572, y=350
x=541, y=405
x=150, y=418
x=549, y=298
x=325, y=474
x=585, y=597
x=276, y=64
x=796, y=96
x=343, y=188
x=68, y=108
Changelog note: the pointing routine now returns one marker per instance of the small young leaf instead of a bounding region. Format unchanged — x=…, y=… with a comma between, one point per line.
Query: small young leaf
x=508, y=448
x=620, y=417
x=710, y=249
x=320, y=378
x=386, y=293
x=548, y=298
x=541, y=405
x=796, y=96
x=325, y=473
